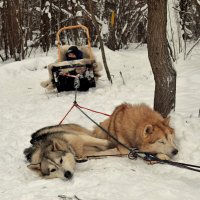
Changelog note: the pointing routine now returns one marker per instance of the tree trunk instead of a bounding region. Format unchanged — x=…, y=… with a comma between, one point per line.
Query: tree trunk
x=4, y=30
x=101, y=43
x=160, y=60
x=174, y=29
x=45, y=25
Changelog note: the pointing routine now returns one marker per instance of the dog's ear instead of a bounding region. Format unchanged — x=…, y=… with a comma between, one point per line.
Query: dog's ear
x=55, y=146
x=35, y=167
x=148, y=129
x=59, y=145
x=36, y=156
x=166, y=121
x=70, y=149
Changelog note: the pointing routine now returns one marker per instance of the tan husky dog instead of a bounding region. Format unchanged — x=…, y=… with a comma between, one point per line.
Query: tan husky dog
x=138, y=126
x=56, y=149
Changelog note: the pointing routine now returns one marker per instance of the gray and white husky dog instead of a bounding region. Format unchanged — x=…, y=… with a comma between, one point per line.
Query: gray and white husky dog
x=56, y=149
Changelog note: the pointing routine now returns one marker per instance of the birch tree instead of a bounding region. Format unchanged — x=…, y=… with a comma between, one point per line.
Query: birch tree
x=174, y=29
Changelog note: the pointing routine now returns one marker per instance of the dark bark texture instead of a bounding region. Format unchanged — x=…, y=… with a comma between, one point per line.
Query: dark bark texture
x=160, y=60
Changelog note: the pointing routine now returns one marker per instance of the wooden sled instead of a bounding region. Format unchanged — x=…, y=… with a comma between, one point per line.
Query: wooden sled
x=59, y=71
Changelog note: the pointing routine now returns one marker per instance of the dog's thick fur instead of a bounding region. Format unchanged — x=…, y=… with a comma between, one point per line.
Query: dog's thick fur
x=56, y=149
x=138, y=126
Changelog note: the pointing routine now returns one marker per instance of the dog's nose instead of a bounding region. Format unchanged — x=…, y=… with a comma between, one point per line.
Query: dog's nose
x=175, y=151
x=68, y=175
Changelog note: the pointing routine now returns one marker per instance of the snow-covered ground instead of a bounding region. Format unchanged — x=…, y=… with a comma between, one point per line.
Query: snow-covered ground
x=26, y=107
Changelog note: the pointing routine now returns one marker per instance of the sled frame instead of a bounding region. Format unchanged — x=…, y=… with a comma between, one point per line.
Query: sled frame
x=73, y=27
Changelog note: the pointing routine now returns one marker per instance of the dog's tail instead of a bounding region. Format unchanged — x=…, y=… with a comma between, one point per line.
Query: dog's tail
x=28, y=152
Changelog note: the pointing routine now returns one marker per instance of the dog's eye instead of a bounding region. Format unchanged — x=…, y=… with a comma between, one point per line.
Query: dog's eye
x=61, y=161
x=53, y=170
x=161, y=142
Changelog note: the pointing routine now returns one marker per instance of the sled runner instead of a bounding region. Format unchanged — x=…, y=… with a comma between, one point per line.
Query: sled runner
x=69, y=73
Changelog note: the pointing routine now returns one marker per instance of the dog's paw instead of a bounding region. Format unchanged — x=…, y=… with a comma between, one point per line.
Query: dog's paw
x=82, y=159
x=156, y=159
x=162, y=156
x=151, y=162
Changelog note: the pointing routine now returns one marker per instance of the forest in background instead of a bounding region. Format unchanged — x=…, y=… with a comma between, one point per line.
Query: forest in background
x=26, y=25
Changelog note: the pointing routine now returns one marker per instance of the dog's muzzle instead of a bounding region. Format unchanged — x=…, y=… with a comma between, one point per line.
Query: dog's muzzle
x=68, y=175
x=174, y=152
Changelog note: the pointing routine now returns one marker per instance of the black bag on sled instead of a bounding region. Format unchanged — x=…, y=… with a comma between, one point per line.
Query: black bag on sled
x=65, y=78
